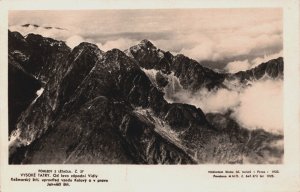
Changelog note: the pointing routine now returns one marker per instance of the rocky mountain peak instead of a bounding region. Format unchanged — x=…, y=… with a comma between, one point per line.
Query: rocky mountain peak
x=115, y=60
x=16, y=41
x=86, y=48
x=41, y=42
x=271, y=69
x=147, y=44
x=15, y=35
x=86, y=45
x=31, y=37
x=149, y=57
x=184, y=59
x=116, y=52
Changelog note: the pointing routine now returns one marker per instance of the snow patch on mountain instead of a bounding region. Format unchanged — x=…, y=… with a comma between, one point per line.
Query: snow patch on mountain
x=151, y=74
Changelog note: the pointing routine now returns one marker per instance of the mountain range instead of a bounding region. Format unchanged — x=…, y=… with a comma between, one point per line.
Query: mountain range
x=84, y=105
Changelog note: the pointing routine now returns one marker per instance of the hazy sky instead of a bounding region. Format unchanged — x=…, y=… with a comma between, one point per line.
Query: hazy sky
x=240, y=36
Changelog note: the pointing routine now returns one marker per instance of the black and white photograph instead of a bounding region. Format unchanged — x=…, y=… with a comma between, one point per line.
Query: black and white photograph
x=130, y=96
x=146, y=86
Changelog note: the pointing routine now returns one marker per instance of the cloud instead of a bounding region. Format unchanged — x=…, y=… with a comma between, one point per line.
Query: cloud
x=259, y=60
x=216, y=101
x=236, y=66
x=73, y=41
x=243, y=65
x=203, y=51
x=259, y=106
x=121, y=43
x=225, y=46
x=262, y=106
x=52, y=32
x=202, y=34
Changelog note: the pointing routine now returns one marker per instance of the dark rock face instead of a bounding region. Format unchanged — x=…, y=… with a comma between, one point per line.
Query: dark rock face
x=45, y=55
x=38, y=56
x=16, y=42
x=151, y=146
x=194, y=76
x=181, y=116
x=161, y=80
x=101, y=107
x=38, y=117
x=22, y=90
x=88, y=135
x=81, y=61
x=45, y=59
x=149, y=57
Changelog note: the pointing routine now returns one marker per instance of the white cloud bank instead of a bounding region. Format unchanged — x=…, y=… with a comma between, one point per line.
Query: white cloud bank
x=121, y=43
x=261, y=106
x=236, y=66
x=52, y=33
x=202, y=34
x=254, y=107
x=73, y=41
x=265, y=58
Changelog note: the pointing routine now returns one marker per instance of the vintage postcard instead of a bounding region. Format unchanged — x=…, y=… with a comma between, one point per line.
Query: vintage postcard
x=166, y=96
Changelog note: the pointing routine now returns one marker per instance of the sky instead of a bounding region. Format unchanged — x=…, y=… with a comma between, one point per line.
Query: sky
x=240, y=38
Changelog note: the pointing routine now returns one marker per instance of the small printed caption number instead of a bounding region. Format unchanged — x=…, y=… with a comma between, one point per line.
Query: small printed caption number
x=59, y=177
